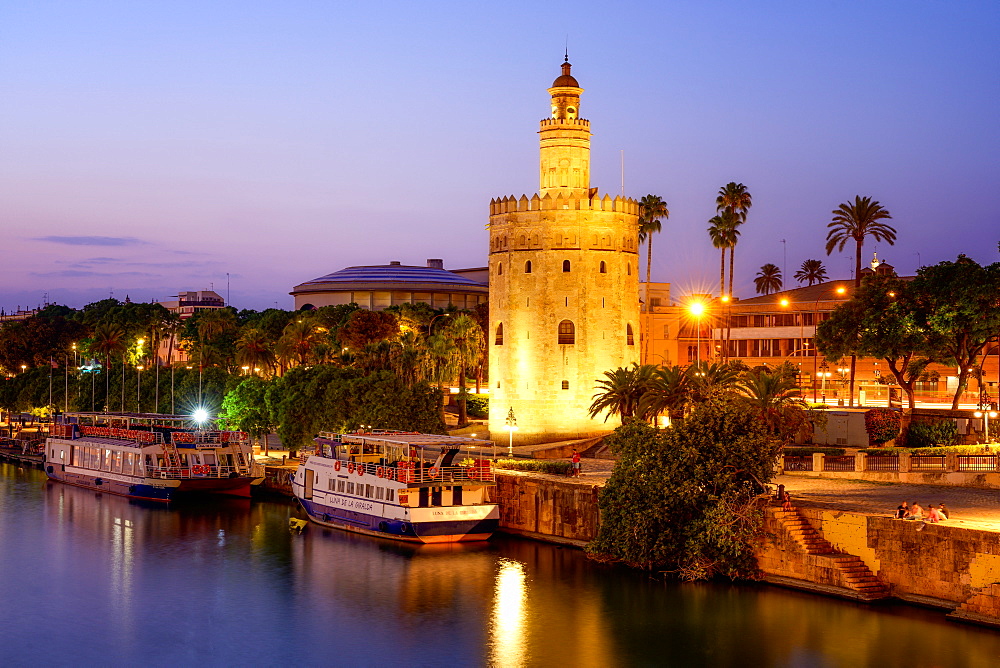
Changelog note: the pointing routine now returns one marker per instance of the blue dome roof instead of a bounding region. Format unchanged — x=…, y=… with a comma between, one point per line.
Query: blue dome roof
x=392, y=273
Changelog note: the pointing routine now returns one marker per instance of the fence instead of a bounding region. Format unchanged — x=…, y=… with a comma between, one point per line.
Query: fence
x=902, y=463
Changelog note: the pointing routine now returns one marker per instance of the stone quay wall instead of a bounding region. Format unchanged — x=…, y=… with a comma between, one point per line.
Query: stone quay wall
x=546, y=507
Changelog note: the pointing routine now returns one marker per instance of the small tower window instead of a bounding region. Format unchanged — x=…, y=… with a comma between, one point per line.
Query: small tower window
x=499, y=339
x=604, y=267
x=565, y=265
x=567, y=333
x=629, y=336
x=565, y=385
x=499, y=268
x=527, y=267
x=628, y=268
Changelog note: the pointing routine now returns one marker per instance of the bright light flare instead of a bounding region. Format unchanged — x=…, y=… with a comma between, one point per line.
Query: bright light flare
x=696, y=309
x=200, y=415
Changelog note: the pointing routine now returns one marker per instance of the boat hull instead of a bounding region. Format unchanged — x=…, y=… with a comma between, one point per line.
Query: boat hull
x=159, y=490
x=439, y=531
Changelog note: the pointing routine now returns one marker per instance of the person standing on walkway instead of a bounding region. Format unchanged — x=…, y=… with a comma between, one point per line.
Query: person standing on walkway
x=576, y=463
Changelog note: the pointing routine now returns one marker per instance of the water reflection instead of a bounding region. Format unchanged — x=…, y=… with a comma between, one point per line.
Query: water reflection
x=90, y=579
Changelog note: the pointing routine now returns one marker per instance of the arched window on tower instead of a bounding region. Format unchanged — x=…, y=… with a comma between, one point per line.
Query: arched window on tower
x=565, y=265
x=567, y=333
x=499, y=339
x=628, y=267
x=527, y=267
x=629, y=336
x=499, y=268
x=604, y=267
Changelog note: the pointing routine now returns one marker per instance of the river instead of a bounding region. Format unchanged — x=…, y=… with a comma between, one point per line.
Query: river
x=96, y=580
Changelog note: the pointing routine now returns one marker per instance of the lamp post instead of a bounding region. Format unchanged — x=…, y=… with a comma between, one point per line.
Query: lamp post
x=986, y=415
x=138, y=386
x=824, y=373
x=814, y=352
x=430, y=327
x=697, y=309
x=510, y=427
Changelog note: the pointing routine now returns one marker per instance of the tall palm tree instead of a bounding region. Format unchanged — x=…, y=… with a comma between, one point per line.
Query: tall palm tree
x=669, y=392
x=621, y=391
x=857, y=221
x=734, y=196
x=108, y=340
x=467, y=347
x=772, y=392
x=253, y=349
x=652, y=208
x=710, y=380
x=298, y=341
x=724, y=232
x=812, y=271
x=768, y=279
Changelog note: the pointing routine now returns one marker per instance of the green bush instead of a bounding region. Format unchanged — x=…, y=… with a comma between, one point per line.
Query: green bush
x=833, y=452
x=478, y=405
x=931, y=434
x=554, y=467
x=882, y=424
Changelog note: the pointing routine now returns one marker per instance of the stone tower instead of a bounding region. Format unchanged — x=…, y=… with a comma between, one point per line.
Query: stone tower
x=564, y=286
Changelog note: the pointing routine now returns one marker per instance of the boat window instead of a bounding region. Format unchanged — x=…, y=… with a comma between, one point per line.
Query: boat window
x=379, y=493
x=368, y=491
x=350, y=488
x=333, y=485
x=389, y=494
x=456, y=496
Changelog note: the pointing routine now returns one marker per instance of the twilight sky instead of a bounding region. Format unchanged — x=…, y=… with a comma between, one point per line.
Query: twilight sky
x=150, y=147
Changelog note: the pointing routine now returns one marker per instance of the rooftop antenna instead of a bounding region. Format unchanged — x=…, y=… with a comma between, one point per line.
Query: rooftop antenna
x=623, y=172
x=227, y=288
x=566, y=58
x=784, y=259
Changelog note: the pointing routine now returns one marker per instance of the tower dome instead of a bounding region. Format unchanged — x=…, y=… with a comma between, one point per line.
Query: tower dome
x=565, y=79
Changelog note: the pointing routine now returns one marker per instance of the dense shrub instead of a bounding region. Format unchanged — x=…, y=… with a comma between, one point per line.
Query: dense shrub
x=882, y=424
x=554, y=467
x=931, y=434
x=478, y=405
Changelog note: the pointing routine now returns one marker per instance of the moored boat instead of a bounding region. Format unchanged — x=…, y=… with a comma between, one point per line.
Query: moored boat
x=149, y=456
x=400, y=485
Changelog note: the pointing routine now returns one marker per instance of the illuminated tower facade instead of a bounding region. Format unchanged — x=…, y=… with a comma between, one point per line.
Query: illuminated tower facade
x=564, y=286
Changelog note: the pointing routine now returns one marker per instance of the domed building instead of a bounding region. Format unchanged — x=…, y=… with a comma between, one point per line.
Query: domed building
x=378, y=287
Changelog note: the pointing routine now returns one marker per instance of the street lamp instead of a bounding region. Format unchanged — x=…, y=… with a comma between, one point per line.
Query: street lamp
x=986, y=415
x=824, y=373
x=138, y=387
x=430, y=327
x=510, y=427
x=697, y=309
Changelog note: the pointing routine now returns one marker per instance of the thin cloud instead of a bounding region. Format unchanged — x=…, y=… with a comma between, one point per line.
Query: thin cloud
x=92, y=241
x=76, y=273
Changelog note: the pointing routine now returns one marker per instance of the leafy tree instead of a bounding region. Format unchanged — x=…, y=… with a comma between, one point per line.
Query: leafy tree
x=684, y=499
x=811, y=271
x=363, y=327
x=956, y=303
x=879, y=321
x=651, y=209
x=768, y=279
x=245, y=407
x=468, y=346
x=621, y=390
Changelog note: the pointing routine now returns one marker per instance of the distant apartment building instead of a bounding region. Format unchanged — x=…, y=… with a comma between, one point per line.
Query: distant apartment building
x=186, y=305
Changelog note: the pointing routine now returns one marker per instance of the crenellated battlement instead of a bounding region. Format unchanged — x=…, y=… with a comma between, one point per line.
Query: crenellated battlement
x=512, y=204
x=579, y=122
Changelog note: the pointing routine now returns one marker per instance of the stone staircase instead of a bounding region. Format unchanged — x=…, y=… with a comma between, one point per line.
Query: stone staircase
x=851, y=572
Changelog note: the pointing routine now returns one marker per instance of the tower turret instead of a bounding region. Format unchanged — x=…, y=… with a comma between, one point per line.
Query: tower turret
x=565, y=140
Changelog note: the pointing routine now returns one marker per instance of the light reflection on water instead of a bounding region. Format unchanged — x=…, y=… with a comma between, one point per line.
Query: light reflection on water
x=91, y=579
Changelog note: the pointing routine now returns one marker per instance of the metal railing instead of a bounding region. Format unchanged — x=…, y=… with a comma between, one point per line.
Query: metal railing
x=882, y=463
x=927, y=463
x=413, y=472
x=196, y=471
x=839, y=463
x=799, y=463
x=977, y=463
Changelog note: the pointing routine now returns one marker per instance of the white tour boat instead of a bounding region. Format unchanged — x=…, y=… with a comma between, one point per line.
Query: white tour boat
x=149, y=456
x=401, y=485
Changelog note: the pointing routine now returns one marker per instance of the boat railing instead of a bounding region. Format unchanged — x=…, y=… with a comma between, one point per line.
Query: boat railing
x=208, y=437
x=195, y=471
x=136, y=435
x=410, y=472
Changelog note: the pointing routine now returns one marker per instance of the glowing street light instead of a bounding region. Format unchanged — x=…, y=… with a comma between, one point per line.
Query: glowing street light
x=200, y=415
x=697, y=309
x=510, y=427
x=986, y=416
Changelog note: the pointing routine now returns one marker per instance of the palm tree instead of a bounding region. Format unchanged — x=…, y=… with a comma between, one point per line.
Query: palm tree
x=298, y=341
x=768, y=279
x=621, y=391
x=467, y=344
x=253, y=349
x=108, y=340
x=709, y=380
x=812, y=271
x=734, y=196
x=857, y=221
x=652, y=208
x=669, y=392
x=724, y=232
x=773, y=393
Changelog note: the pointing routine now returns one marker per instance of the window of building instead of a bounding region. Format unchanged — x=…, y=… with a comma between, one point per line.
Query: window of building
x=666, y=331
x=692, y=353
x=499, y=339
x=499, y=268
x=567, y=332
x=604, y=267
x=629, y=336
x=527, y=267
x=565, y=385
x=565, y=265
x=628, y=269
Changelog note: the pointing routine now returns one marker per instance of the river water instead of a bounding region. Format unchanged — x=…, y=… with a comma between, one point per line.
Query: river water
x=97, y=580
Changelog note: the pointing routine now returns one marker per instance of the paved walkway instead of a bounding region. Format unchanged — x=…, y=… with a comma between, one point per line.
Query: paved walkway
x=968, y=507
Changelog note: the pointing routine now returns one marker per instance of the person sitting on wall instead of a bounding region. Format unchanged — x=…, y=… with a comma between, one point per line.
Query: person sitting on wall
x=943, y=511
x=903, y=511
x=933, y=515
x=786, y=501
x=916, y=512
